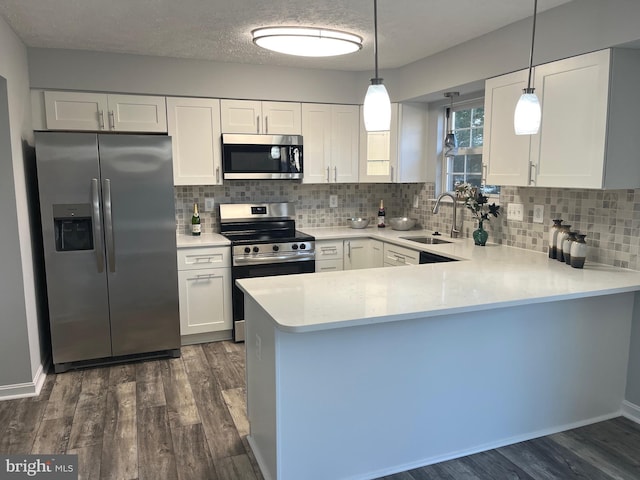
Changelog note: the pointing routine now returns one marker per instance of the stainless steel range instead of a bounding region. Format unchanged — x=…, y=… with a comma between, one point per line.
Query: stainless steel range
x=264, y=242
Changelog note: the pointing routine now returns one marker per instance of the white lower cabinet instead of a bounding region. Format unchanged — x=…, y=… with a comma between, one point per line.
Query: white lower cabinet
x=329, y=254
x=362, y=253
x=204, y=286
x=395, y=256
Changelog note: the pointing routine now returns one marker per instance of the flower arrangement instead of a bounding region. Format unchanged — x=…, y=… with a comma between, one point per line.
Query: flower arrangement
x=475, y=201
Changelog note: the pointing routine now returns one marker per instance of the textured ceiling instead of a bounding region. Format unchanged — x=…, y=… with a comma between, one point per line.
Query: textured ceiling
x=408, y=30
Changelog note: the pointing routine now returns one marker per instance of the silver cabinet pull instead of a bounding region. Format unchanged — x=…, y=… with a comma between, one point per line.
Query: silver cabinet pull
x=97, y=224
x=328, y=180
x=391, y=170
x=112, y=120
x=532, y=180
x=483, y=180
x=101, y=119
x=258, y=124
x=335, y=174
x=266, y=124
x=108, y=225
x=349, y=251
x=217, y=174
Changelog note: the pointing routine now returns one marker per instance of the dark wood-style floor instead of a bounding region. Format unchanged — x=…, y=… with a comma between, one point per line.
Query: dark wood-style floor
x=185, y=419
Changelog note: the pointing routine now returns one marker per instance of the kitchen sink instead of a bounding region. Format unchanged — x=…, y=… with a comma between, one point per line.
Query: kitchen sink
x=426, y=240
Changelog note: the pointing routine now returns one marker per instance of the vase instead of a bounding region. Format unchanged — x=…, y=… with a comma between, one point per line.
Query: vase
x=578, y=252
x=553, y=238
x=480, y=235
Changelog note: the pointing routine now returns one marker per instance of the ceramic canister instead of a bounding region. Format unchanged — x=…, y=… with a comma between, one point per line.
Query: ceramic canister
x=566, y=247
x=562, y=235
x=578, y=252
x=553, y=238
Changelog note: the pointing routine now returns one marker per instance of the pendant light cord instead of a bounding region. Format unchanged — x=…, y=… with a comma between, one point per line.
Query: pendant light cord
x=533, y=38
x=375, y=33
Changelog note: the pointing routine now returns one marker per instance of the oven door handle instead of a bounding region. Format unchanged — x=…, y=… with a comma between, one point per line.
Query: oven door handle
x=237, y=261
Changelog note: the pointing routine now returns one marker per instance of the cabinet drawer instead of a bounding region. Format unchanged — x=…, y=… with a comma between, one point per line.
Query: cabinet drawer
x=333, y=265
x=199, y=258
x=395, y=255
x=329, y=249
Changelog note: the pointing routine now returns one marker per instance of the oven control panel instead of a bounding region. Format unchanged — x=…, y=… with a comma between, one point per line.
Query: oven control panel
x=273, y=252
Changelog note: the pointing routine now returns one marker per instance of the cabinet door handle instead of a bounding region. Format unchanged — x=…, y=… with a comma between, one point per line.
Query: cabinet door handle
x=206, y=275
x=217, y=174
x=266, y=124
x=349, y=249
x=391, y=172
x=112, y=120
x=532, y=180
x=328, y=180
x=101, y=119
x=483, y=180
x=335, y=174
x=258, y=124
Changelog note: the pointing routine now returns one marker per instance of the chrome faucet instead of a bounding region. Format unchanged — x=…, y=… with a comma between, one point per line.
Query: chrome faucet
x=454, y=228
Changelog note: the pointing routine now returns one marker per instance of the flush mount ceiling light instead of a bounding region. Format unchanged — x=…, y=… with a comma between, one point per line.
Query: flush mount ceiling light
x=306, y=41
x=526, y=119
x=377, y=105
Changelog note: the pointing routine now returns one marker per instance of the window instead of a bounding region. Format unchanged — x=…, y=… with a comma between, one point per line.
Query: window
x=465, y=164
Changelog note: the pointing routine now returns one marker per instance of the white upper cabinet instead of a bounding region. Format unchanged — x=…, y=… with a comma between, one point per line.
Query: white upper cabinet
x=505, y=154
x=330, y=143
x=194, y=125
x=398, y=155
x=104, y=112
x=588, y=134
x=254, y=116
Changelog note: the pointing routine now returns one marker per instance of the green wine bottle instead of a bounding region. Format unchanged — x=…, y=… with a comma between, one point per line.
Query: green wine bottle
x=196, y=228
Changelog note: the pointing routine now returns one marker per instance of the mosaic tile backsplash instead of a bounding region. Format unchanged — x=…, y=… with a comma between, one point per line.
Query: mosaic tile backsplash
x=610, y=219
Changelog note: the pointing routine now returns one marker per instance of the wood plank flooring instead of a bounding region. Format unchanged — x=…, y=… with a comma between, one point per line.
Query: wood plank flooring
x=185, y=419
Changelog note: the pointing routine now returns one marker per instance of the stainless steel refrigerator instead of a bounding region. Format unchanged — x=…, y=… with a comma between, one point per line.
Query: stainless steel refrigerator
x=109, y=235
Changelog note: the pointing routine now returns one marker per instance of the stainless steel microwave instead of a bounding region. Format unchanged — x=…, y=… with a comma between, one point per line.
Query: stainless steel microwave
x=251, y=157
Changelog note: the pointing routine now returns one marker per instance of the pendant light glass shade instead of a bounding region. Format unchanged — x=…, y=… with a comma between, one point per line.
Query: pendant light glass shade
x=306, y=41
x=377, y=108
x=526, y=119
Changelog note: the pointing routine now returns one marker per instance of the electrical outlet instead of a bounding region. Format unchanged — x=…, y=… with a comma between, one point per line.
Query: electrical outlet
x=333, y=201
x=515, y=211
x=416, y=201
x=538, y=213
x=209, y=204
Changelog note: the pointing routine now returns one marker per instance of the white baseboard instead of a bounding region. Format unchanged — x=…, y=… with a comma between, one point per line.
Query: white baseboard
x=196, y=338
x=28, y=389
x=631, y=411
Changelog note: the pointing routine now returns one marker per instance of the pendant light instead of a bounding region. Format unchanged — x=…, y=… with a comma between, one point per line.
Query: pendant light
x=450, y=140
x=526, y=119
x=377, y=105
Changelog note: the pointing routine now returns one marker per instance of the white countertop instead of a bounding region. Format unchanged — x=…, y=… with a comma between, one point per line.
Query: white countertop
x=489, y=277
x=203, y=240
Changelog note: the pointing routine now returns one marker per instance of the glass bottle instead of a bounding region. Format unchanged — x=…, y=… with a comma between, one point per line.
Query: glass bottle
x=562, y=235
x=553, y=237
x=566, y=247
x=381, y=215
x=578, y=252
x=196, y=227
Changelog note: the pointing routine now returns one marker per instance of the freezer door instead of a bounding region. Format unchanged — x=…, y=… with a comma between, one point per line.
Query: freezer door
x=140, y=239
x=69, y=189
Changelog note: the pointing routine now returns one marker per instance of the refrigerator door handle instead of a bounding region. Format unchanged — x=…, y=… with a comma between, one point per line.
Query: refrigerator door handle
x=108, y=224
x=97, y=224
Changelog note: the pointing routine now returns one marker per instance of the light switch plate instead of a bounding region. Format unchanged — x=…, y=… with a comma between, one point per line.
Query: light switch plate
x=333, y=201
x=416, y=201
x=209, y=204
x=515, y=211
x=538, y=213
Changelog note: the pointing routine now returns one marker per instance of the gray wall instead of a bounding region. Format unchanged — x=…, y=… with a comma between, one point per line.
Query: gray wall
x=19, y=336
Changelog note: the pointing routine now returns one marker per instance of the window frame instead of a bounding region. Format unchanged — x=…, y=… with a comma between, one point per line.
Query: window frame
x=467, y=151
